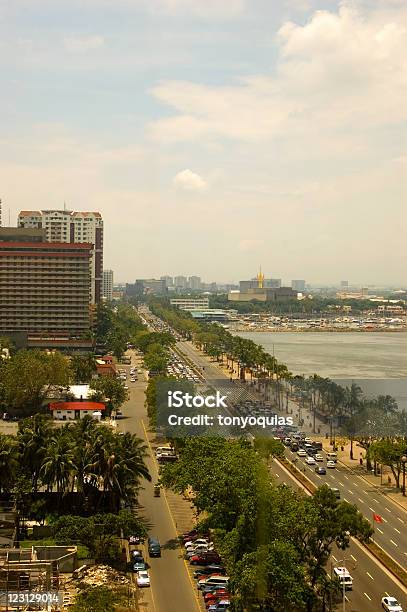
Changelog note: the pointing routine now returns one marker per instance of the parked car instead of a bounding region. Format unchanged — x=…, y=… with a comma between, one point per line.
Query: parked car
x=143, y=579
x=223, y=604
x=213, y=581
x=209, y=570
x=196, y=542
x=208, y=558
x=320, y=470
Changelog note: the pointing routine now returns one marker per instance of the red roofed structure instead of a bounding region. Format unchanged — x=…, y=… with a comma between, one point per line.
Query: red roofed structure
x=69, y=411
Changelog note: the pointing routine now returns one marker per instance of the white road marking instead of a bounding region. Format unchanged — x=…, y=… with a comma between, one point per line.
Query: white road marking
x=378, y=529
x=393, y=542
x=395, y=529
x=334, y=558
x=361, y=500
x=346, y=477
x=399, y=519
x=344, y=499
x=366, y=595
x=370, y=508
x=354, y=558
x=386, y=508
x=370, y=575
x=351, y=492
x=375, y=500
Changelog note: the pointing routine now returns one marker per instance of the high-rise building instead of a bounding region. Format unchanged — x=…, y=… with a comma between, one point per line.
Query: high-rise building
x=298, y=285
x=44, y=286
x=108, y=285
x=344, y=284
x=72, y=227
x=194, y=282
x=169, y=281
x=144, y=286
x=181, y=282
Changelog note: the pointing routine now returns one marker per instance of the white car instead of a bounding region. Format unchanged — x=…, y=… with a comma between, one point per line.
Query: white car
x=331, y=464
x=143, y=579
x=302, y=453
x=195, y=542
x=310, y=461
x=318, y=457
x=391, y=604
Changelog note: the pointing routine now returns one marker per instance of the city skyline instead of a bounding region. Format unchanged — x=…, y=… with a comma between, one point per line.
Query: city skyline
x=224, y=135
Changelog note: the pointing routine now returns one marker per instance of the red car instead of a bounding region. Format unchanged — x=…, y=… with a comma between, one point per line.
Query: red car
x=205, y=558
x=218, y=594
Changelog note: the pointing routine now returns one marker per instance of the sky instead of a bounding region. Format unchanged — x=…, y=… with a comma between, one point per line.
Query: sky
x=214, y=137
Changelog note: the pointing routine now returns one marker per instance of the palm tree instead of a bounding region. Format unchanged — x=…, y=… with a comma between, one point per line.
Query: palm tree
x=58, y=467
x=9, y=462
x=33, y=436
x=352, y=405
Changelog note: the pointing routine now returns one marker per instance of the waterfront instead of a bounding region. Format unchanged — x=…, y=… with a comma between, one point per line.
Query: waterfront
x=376, y=361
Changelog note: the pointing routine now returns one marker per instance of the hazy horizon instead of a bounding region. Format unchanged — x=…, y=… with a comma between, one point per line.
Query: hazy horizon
x=225, y=135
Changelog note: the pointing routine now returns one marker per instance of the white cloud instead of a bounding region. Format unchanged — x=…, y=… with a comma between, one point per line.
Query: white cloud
x=342, y=72
x=189, y=181
x=79, y=44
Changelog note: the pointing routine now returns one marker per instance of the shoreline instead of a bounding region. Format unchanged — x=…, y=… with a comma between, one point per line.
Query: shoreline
x=316, y=329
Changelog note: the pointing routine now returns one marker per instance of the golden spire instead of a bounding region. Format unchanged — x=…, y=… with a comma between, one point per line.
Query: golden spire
x=260, y=279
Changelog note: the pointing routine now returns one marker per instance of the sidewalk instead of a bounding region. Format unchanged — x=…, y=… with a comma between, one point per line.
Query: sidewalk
x=384, y=482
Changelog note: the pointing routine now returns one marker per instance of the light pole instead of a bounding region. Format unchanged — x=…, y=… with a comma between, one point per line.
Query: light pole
x=403, y=461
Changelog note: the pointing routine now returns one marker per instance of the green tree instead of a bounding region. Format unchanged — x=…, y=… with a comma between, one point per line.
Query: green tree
x=9, y=461
x=83, y=368
x=33, y=436
x=109, y=389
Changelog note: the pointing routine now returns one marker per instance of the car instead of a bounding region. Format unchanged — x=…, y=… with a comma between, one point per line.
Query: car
x=320, y=470
x=213, y=581
x=208, y=570
x=154, y=547
x=196, y=542
x=302, y=453
x=207, y=558
x=331, y=464
x=223, y=604
x=220, y=593
x=391, y=604
x=143, y=579
x=138, y=564
x=310, y=460
x=318, y=457
x=336, y=492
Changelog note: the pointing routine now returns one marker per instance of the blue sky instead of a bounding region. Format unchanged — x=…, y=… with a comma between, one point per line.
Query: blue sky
x=214, y=136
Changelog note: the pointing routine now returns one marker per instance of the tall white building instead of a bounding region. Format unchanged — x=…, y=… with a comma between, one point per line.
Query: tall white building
x=195, y=282
x=108, y=285
x=73, y=227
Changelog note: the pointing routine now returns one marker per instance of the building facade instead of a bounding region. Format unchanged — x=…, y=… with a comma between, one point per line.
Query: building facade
x=72, y=227
x=169, y=280
x=195, y=282
x=298, y=285
x=45, y=288
x=190, y=303
x=108, y=285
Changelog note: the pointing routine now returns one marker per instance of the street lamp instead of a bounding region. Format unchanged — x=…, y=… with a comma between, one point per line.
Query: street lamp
x=403, y=461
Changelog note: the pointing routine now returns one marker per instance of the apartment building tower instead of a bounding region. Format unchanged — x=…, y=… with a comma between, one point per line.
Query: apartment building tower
x=44, y=286
x=108, y=285
x=72, y=227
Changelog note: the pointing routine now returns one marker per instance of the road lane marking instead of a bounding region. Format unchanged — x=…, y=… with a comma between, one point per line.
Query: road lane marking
x=366, y=595
x=351, y=492
x=361, y=500
x=395, y=529
x=399, y=519
x=386, y=508
x=370, y=575
x=354, y=558
x=378, y=529
x=334, y=558
x=371, y=509
x=344, y=499
x=346, y=477
x=393, y=542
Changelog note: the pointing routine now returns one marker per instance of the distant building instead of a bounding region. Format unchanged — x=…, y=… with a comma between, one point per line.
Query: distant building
x=72, y=227
x=298, y=285
x=212, y=314
x=169, y=281
x=144, y=287
x=261, y=289
x=344, y=284
x=181, y=282
x=190, y=303
x=272, y=283
x=108, y=285
x=195, y=283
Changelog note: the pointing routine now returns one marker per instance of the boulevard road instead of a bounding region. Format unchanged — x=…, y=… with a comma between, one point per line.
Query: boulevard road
x=171, y=587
